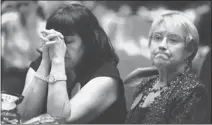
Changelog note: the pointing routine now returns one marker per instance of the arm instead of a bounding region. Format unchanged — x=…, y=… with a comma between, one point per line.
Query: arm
x=35, y=89
x=92, y=100
x=34, y=93
x=192, y=109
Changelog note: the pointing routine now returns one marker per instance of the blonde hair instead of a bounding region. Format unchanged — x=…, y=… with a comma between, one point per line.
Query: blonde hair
x=177, y=18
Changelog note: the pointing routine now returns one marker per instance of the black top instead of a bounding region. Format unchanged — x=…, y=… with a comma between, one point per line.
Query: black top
x=117, y=111
x=183, y=101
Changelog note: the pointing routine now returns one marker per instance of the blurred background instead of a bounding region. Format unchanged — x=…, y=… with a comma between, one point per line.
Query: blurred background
x=127, y=24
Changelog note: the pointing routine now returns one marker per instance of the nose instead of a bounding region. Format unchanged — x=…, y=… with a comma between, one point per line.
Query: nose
x=163, y=45
x=162, y=48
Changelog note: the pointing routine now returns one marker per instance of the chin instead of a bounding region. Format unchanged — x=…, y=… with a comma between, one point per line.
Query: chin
x=161, y=64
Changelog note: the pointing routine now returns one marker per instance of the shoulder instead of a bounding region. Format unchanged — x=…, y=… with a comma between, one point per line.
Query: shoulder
x=191, y=86
x=194, y=84
x=107, y=69
x=107, y=76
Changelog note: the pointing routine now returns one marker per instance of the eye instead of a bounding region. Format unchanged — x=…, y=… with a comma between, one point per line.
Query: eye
x=157, y=37
x=174, y=39
x=68, y=40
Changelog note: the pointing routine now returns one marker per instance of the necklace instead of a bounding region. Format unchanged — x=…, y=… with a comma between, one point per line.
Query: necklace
x=156, y=90
x=151, y=89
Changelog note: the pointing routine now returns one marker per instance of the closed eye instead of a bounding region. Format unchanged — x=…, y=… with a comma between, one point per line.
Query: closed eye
x=68, y=40
x=174, y=39
x=157, y=37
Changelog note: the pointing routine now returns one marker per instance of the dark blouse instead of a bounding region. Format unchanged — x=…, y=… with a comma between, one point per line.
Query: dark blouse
x=183, y=101
x=117, y=111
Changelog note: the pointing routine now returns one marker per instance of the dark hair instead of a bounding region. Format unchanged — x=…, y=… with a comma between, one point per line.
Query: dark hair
x=75, y=18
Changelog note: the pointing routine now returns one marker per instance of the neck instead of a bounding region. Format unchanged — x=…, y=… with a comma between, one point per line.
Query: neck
x=166, y=74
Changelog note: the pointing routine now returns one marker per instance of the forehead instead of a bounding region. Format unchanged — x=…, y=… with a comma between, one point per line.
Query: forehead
x=72, y=36
x=167, y=28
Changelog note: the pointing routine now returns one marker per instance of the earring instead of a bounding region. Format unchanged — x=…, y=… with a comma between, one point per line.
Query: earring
x=186, y=66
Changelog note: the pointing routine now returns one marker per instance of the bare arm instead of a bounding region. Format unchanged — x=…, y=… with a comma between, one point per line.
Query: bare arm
x=92, y=100
x=34, y=93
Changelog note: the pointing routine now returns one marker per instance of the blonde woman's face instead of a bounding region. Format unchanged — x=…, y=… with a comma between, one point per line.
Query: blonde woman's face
x=167, y=46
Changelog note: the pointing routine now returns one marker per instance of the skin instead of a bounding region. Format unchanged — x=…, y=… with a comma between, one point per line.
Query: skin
x=86, y=105
x=168, y=54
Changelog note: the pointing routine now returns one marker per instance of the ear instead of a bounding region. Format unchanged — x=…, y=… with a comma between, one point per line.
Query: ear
x=188, y=54
x=190, y=49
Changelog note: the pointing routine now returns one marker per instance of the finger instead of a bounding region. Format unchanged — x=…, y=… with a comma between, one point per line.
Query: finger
x=52, y=36
x=56, y=32
x=50, y=43
x=43, y=39
x=60, y=34
x=43, y=35
x=52, y=31
x=48, y=31
x=45, y=32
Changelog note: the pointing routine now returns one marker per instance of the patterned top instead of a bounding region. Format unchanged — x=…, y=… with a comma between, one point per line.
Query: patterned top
x=182, y=101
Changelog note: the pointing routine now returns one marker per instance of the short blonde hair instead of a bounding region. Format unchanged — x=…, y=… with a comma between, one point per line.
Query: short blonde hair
x=177, y=18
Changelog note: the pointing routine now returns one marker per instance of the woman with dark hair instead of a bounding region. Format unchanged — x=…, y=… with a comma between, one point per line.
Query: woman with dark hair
x=75, y=50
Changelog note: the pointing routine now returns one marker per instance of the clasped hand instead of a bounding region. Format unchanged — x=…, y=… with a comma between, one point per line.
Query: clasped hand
x=53, y=45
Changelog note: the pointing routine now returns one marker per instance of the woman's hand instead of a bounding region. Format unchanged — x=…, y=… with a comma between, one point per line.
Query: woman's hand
x=56, y=45
x=44, y=48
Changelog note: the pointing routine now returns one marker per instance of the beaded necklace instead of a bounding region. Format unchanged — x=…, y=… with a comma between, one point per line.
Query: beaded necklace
x=161, y=89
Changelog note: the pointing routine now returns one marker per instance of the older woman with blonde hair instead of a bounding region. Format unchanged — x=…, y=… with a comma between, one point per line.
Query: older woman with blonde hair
x=176, y=94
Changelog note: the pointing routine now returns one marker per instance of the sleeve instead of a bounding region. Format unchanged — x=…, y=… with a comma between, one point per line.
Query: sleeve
x=192, y=109
x=107, y=69
x=35, y=64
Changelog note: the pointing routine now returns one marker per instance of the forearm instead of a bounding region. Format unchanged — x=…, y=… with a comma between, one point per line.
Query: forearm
x=58, y=101
x=34, y=94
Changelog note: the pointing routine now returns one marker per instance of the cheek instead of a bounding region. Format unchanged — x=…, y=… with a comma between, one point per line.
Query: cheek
x=152, y=50
x=178, y=54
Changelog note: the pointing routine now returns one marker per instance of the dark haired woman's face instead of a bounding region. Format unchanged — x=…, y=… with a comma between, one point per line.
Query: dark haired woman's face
x=75, y=50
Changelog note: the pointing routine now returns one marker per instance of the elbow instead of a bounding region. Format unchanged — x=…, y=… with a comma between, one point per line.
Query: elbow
x=20, y=111
x=25, y=115
x=66, y=113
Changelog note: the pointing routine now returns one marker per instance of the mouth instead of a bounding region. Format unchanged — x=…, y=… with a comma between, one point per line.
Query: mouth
x=162, y=55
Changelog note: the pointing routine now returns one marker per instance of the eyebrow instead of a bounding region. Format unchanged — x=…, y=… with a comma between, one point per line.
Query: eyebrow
x=171, y=34
x=157, y=33
x=175, y=35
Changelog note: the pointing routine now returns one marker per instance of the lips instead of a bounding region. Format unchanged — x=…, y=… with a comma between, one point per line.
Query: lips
x=161, y=54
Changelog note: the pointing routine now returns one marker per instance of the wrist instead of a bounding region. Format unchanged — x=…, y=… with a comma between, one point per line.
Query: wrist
x=58, y=66
x=46, y=65
x=58, y=61
x=45, y=62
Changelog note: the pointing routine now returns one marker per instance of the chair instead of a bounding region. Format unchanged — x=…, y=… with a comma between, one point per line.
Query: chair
x=136, y=76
